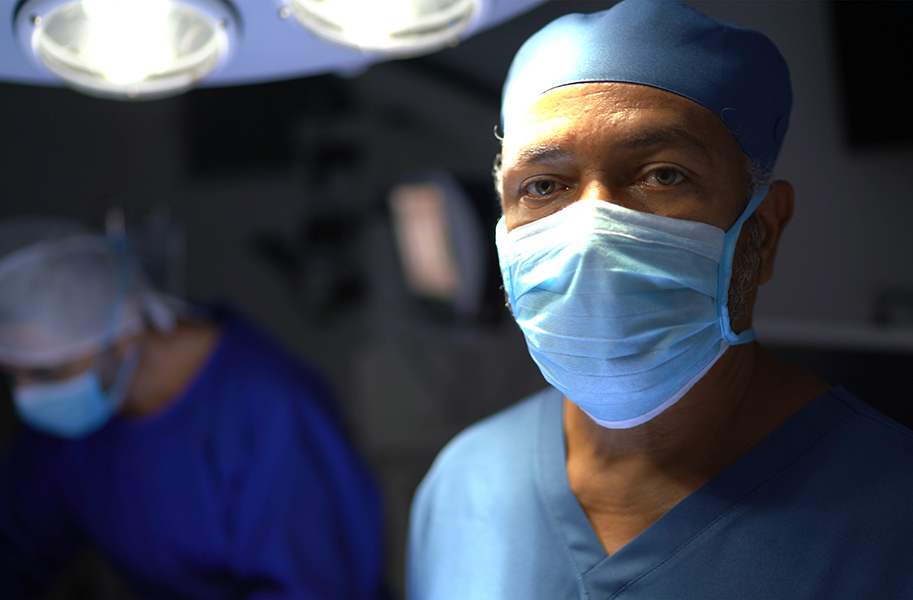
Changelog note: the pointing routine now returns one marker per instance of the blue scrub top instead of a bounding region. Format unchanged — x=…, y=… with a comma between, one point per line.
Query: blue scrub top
x=245, y=486
x=819, y=509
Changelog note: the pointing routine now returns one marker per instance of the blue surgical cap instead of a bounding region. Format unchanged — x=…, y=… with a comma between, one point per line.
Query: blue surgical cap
x=736, y=72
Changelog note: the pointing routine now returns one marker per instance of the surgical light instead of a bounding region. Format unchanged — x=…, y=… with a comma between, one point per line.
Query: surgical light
x=127, y=48
x=392, y=27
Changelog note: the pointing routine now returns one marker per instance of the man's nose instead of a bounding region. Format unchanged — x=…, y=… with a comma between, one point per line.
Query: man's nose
x=596, y=188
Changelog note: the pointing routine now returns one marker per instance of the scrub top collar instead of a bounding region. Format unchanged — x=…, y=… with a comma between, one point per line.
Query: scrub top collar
x=602, y=576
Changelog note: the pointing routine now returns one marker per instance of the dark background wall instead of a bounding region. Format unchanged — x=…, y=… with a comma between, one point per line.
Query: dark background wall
x=254, y=174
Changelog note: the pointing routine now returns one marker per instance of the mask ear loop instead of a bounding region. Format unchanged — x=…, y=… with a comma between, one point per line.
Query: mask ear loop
x=117, y=240
x=725, y=273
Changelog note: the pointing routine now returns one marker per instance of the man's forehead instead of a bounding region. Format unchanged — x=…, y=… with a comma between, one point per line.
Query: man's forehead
x=631, y=117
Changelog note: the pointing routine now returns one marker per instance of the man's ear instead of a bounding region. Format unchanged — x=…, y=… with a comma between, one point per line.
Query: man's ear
x=774, y=213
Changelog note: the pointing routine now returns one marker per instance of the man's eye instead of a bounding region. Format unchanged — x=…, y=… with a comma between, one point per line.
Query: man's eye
x=543, y=187
x=666, y=177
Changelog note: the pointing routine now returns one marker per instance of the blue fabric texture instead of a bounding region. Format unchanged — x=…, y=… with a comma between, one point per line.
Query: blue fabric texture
x=816, y=510
x=735, y=72
x=243, y=487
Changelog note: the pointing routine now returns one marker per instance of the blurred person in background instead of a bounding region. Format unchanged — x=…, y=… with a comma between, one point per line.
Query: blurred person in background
x=196, y=455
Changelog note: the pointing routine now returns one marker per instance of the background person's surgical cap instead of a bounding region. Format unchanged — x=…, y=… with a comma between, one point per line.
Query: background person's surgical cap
x=736, y=72
x=59, y=287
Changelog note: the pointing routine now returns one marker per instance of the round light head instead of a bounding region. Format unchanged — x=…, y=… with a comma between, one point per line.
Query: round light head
x=136, y=49
x=391, y=27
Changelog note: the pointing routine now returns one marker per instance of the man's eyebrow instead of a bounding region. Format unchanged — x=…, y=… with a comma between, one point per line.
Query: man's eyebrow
x=541, y=153
x=667, y=136
x=549, y=152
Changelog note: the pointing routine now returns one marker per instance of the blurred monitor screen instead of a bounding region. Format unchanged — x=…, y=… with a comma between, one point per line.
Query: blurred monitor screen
x=424, y=240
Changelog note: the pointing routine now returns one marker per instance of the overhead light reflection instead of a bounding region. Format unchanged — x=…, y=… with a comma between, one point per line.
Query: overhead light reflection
x=127, y=48
x=396, y=27
x=128, y=41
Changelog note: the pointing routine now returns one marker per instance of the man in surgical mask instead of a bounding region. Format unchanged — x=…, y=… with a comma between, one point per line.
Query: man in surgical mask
x=193, y=453
x=672, y=456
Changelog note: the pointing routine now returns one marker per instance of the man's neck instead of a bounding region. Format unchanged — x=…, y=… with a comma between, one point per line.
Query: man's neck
x=168, y=364
x=625, y=479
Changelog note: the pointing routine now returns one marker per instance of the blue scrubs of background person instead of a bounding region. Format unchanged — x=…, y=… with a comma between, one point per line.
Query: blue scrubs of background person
x=196, y=455
x=673, y=456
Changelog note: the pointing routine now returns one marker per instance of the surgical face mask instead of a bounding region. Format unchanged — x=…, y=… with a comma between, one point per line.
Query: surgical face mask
x=623, y=311
x=77, y=406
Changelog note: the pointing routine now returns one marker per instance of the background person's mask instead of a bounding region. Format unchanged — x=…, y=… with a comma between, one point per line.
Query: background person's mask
x=623, y=311
x=77, y=406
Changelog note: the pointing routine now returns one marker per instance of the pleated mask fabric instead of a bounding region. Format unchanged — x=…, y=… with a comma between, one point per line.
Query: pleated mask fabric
x=622, y=310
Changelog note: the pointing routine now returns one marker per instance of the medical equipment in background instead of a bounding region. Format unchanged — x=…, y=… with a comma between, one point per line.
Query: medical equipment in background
x=446, y=259
x=159, y=243
x=445, y=251
x=320, y=265
x=144, y=49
